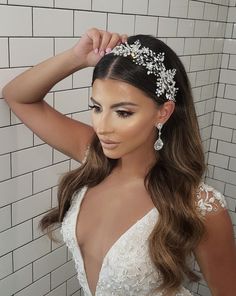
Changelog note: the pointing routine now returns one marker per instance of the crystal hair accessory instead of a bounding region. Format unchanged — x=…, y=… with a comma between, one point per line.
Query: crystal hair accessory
x=153, y=63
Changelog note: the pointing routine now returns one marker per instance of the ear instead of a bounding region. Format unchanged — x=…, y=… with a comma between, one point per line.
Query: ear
x=164, y=112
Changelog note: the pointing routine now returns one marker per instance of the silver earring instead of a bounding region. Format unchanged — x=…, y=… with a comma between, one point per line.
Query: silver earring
x=159, y=144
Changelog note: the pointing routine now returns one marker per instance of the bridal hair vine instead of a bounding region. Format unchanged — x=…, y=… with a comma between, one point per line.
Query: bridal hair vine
x=153, y=63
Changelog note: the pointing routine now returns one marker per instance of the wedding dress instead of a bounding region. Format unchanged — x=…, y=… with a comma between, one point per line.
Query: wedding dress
x=127, y=269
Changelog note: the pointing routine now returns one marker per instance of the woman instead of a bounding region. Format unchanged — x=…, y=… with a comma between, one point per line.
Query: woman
x=136, y=209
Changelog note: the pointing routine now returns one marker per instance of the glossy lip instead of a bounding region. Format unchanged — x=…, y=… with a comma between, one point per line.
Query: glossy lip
x=108, y=142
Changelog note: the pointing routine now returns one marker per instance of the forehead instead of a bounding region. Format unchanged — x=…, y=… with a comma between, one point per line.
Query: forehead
x=113, y=91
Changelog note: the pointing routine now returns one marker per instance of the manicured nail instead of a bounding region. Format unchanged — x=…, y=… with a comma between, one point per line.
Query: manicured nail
x=96, y=50
x=108, y=50
x=102, y=53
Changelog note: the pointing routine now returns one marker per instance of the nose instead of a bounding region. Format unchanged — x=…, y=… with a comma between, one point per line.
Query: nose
x=103, y=124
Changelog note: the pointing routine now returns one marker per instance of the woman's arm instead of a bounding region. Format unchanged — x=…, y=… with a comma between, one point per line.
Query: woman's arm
x=216, y=254
x=25, y=94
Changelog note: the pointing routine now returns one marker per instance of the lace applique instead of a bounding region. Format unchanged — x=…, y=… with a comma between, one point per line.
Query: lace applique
x=209, y=199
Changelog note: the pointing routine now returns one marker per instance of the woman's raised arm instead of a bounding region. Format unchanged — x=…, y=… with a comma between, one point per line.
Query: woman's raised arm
x=25, y=93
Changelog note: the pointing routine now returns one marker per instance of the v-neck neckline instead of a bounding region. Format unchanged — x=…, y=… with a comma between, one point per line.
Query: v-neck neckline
x=79, y=201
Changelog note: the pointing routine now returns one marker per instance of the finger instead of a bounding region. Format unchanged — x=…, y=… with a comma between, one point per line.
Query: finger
x=95, y=36
x=115, y=37
x=106, y=36
x=124, y=38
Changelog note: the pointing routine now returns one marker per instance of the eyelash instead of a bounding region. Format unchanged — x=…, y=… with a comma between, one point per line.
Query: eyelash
x=120, y=113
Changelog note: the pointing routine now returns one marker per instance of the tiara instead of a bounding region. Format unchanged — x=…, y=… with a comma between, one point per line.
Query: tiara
x=153, y=62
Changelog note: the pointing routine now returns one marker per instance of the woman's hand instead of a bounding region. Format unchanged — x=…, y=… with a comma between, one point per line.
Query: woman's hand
x=94, y=44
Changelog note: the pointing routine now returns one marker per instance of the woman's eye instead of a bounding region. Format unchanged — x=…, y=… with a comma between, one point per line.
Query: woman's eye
x=124, y=114
x=96, y=108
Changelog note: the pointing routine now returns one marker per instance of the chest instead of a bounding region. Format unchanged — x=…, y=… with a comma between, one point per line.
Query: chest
x=106, y=212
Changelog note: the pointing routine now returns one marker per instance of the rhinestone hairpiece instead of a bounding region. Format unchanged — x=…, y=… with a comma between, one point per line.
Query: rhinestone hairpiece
x=153, y=63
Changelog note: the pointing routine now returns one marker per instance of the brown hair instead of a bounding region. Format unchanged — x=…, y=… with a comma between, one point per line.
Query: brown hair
x=173, y=180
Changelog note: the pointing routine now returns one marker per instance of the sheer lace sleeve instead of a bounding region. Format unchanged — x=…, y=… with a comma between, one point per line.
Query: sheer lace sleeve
x=208, y=199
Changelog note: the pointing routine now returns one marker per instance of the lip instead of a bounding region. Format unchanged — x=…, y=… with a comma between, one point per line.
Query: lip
x=108, y=144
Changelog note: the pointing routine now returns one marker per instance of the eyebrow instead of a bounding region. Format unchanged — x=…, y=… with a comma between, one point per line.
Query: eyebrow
x=115, y=105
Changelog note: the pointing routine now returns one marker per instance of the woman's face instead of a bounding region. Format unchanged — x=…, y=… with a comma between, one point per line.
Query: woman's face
x=124, y=116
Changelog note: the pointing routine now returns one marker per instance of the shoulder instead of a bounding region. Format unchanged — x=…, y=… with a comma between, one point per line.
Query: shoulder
x=209, y=200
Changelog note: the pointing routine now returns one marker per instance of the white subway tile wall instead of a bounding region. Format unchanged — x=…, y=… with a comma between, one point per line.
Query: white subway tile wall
x=203, y=34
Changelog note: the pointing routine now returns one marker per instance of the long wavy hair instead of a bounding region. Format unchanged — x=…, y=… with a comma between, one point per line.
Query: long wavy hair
x=171, y=182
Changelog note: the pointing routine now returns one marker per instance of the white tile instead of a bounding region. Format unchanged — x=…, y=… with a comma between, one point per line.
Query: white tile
x=146, y=25
x=211, y=61
x=232, y=14
x=59, y=156
x=203, y=290
x=230, y=190
x=185, y=28
x=83, y=77
x=179, y=8
x=191, y=46
x=213, y=145
x=140, y=6
x=201, y=28
x=38, y=288
x=207, y=45
x=15, y=137
x=52, y=22
x=72, y=285
x=5, y=265
x=222, y=13
x=5, y=218
x=15, y=21
x=159, y=7
x=71, y=101
x=30, y=207
x=59, y=291
x=216, y=29
x=230, y=91
x=234, y=31
x=214, y=76
x=48, y=177
x=4, y=113
x=225, y=60
x=210, y=11
x=228, y=120
x=31, y=252
x=177, y=44
x=64, y=84
x=85, y=20
x=224, y=105
x=197, y=63
x=107, y=5
x=62, y=44
x=221, y=90
x=218, y=46
x=36, y=230
x=15, y=189
x=218, y=160
x=226, y=148
x=4, y=58
x=45, y=3
x=49, y=262
x=225, y=175
x=15, y=237
x=227, y=76
x=74, y=4
x=28, y=160
x=232, y=164
x=63, y=273
x=5, y=167
x=232, y=62
x=167, y=27
x=202, y=78
x=234, y=137
x=228, y=30
x=28, y=52
x=195, y=10
x=121, y=23
x=16, y=281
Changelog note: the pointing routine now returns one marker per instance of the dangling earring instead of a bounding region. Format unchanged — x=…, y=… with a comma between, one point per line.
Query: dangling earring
x=158, y=144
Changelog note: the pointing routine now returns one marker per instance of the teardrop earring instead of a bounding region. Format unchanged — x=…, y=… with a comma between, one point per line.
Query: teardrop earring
x=159, y=143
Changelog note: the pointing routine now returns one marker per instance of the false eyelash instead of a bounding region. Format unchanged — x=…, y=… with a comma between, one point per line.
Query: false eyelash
x=120, y=113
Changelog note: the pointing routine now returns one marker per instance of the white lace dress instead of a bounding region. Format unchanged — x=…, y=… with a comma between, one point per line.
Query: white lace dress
x=127, y=269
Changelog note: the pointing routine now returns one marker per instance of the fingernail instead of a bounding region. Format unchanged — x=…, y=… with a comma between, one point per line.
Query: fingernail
x=102, y=53
x=96, y=50
x=108, y=50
